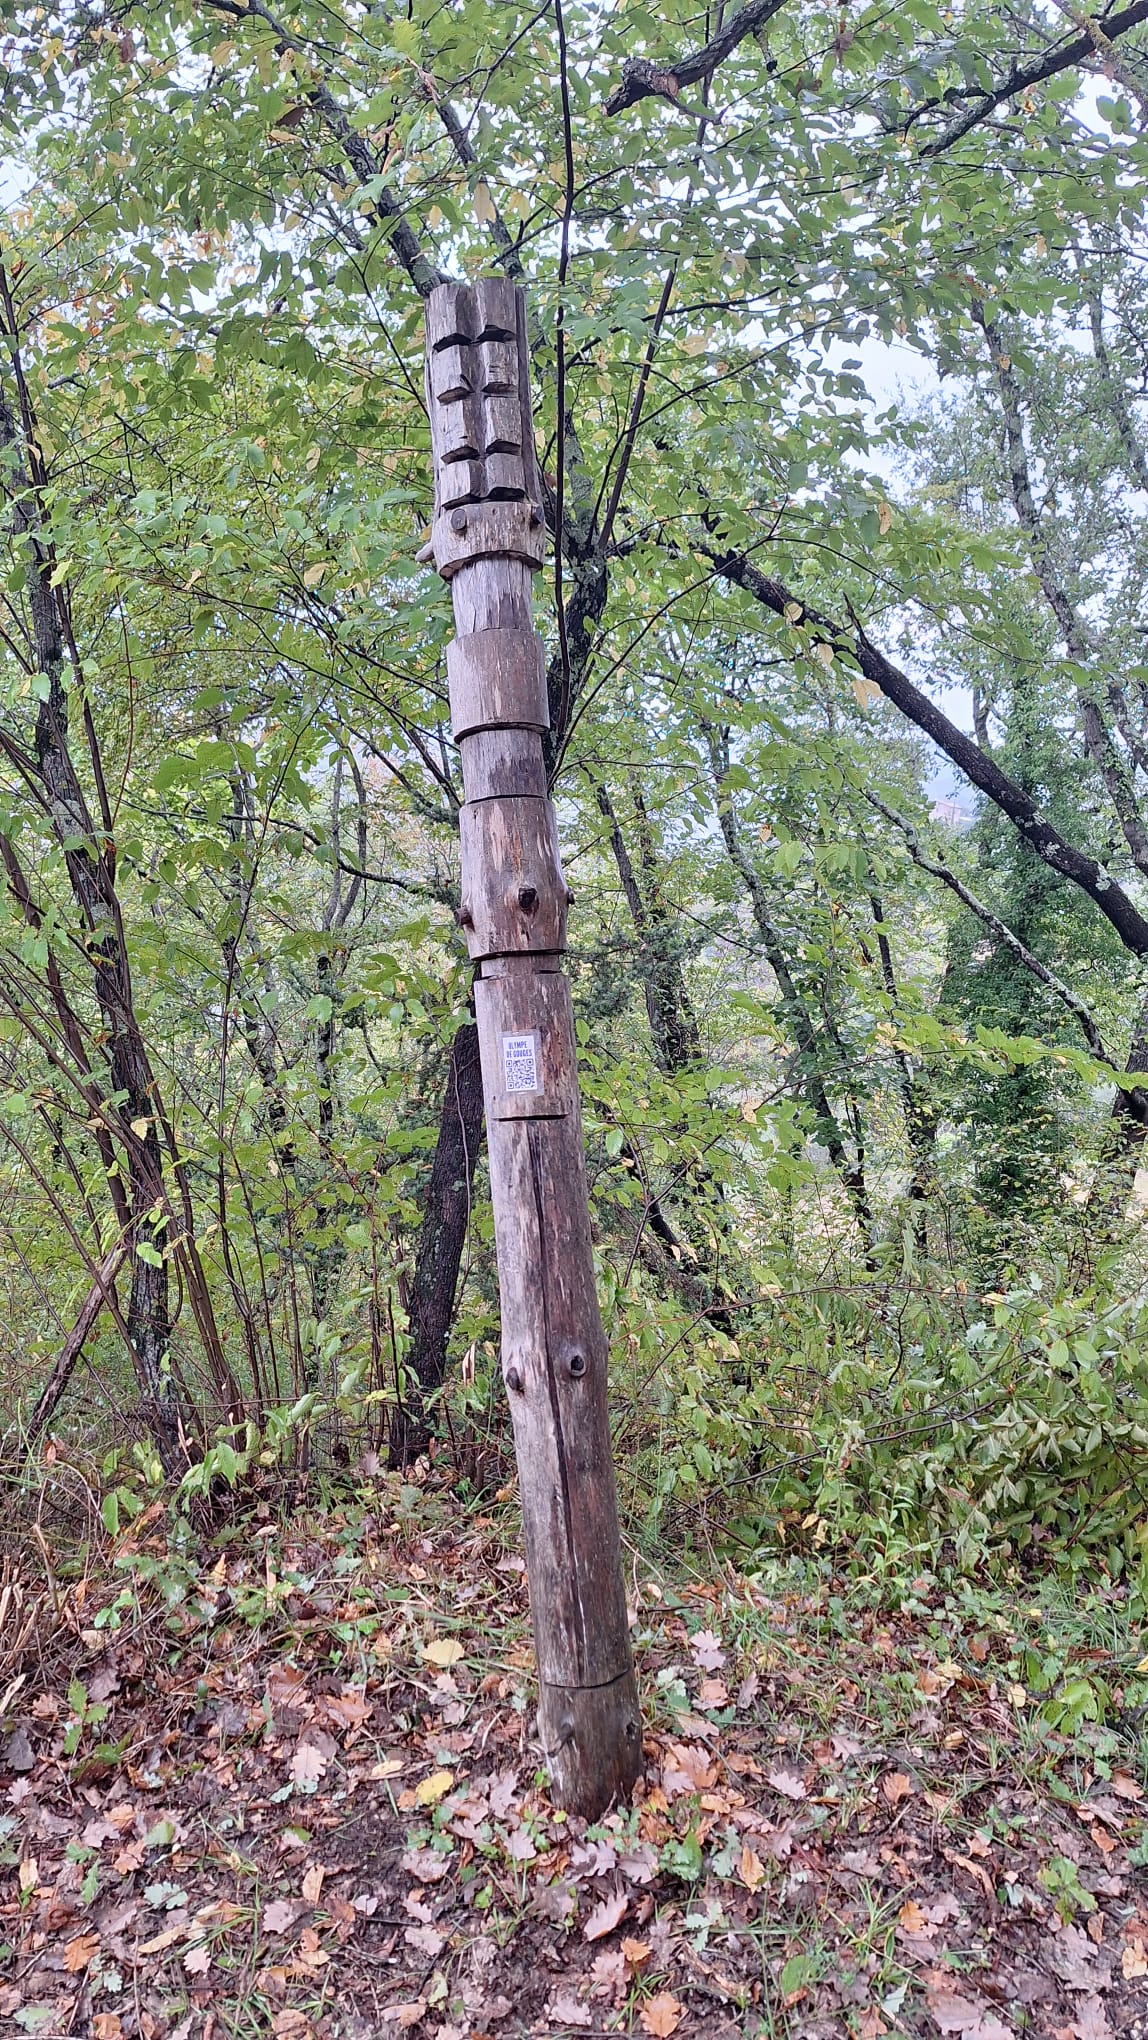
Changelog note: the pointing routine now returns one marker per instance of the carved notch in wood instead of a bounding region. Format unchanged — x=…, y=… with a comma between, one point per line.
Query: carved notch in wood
x=478, y=395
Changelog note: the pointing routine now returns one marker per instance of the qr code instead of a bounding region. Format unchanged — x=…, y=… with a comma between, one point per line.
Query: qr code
x=520, y=1062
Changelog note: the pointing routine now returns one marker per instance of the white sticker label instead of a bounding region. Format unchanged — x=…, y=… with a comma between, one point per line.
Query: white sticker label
x=520, y=1062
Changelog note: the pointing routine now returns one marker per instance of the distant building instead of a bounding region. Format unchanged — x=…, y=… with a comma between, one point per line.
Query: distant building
x=951, y=815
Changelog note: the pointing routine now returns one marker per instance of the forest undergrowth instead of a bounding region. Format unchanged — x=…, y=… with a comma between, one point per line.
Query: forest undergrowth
x=280, y=1777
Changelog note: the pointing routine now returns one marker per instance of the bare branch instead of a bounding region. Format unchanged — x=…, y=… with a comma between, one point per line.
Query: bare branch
x=1038, y=832
x=642, y=79
x=1097, y=33
x=992, y=920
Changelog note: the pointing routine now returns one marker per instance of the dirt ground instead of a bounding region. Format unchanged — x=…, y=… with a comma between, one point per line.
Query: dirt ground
x=287, y=1785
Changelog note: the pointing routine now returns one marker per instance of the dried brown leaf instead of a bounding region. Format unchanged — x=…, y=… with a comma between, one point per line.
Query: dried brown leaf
x=79, y=1952
x=308, y=1764
x=565, y=2010
x=280, y=1916
x=966, y=2017
x=661, y=2017
x=706, y=1650
x=606, y=1917
x=790, y=1784
x=897, y=1785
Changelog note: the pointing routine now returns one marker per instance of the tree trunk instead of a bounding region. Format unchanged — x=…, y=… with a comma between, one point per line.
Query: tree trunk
x=442, y=1239
x=54, y=1388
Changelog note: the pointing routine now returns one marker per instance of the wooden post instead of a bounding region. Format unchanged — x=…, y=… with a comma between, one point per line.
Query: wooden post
x=487, y=541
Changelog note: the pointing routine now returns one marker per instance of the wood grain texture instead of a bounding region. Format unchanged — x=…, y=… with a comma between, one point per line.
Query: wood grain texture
x=495, y=530
x=591, y=1732
x=497, y=764
x=497, y=680
x=554, y=1365
x=514, y=904
x=537, y=1004
x=492, y=594
x=513, y=892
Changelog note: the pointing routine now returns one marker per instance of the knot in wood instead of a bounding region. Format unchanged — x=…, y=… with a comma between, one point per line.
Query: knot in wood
x=576, y=1365
x=514, y=1380
x=528, y=898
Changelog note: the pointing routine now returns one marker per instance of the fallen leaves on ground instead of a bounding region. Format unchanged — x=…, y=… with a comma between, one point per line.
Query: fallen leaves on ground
x=325, y=1820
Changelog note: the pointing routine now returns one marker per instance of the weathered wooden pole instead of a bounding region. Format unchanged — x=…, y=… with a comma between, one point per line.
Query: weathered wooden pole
x=487, y=541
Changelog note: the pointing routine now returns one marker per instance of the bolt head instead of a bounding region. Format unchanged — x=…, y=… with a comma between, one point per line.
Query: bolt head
x=458, y=520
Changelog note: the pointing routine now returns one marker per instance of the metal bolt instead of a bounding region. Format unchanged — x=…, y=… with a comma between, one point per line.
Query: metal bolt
x=458, y=520
x=577, y=1364
x=528, y=898
x=514, y=1381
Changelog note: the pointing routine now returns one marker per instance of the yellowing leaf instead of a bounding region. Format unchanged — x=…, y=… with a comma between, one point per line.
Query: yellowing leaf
x=636, y=1952
x=444, y=1651
x=824, y=653
x=28, y=1874
x=750, y=1868
x=483, y=202
x=897, y=1786
x=139, y=1128
x=313, y=1884
x=793, y=612
x=884, y=517
x=314, y=573
x=1134, y=1961
x=865, y=690
x=434, y=1788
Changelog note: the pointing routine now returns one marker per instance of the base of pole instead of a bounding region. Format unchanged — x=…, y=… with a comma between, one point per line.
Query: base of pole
x=592, y=1741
